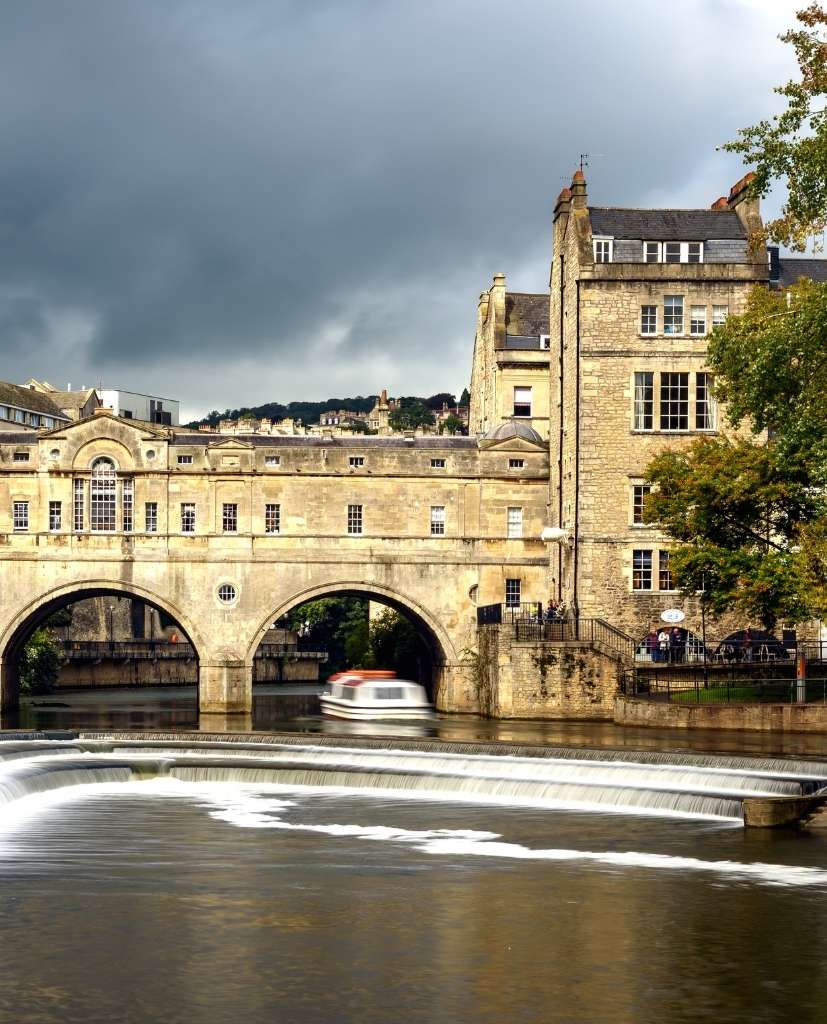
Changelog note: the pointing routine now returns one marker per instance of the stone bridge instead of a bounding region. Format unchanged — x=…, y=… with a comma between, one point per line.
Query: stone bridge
x=227, y=534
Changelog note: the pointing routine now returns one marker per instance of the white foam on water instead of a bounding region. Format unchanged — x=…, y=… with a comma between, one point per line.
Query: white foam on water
x=251, y=811
x=260, y=807
x=774, y=874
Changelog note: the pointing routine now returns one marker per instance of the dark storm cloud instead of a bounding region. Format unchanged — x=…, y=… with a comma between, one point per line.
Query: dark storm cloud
x=258, y=200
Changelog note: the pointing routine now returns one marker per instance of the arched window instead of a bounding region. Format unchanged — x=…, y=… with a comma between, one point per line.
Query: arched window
x=103, y=496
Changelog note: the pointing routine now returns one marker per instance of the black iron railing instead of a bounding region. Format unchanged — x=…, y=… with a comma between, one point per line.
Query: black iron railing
x=735, y=685
x=155, y=650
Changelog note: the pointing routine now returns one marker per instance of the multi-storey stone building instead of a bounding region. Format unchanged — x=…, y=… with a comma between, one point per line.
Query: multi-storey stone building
x=634, y=294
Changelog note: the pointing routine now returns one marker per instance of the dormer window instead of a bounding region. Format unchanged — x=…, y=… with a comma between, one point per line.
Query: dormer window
x=673, y=252
x=602, y=250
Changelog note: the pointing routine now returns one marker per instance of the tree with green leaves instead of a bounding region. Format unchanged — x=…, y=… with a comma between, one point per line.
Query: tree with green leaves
x=452, y=424
x=792, y=146
x=395, y=644
x=39, y=664
x=749, y=509
x=465, y=398
x=411, y=414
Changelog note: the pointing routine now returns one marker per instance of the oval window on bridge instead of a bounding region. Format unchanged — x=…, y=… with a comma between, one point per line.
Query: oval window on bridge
x=227, y=593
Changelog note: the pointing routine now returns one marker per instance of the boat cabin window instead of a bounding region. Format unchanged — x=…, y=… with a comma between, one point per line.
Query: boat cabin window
x=388, y=693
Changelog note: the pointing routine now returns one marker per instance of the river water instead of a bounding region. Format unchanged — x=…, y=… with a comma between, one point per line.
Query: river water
x=301, y=881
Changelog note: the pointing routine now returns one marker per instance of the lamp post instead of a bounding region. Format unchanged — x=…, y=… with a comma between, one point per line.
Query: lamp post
x=703, y=629
x=111, y=610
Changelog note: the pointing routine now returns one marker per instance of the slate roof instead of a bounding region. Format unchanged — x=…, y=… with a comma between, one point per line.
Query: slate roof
x=71, y=399
x=311, y=441
x=526, y=314
x=26, y=398
x=18, y=437
x=666, y=225
x=793, y=270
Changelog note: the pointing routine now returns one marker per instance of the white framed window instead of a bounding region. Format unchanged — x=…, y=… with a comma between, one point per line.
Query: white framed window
x=641, y=569
x=126, y=506
x=719, y=316
x=639, y=495
x=516, y=463
x=21, y=456
x=102, y=491
x=673, y=252
x=674, y=401
x=272, y=518
x=55, y=516
x=648, y=319
x=705, y=407
x=227, y=593
x=20, y=516
x=651, y=252
x=78, y=505
x=602, y=250
x=522, y=401
x=514, y=523
x=673, y=314
x=545, y=341
x=356, y=461
x=665, y=581
x=187, y=517
x=272, y=461
x=513, y=593
x=229, y=517
x=354, y=519
x=437, y=520
x=437, y=463
x=184, y=460
x=697, y=320
x=644, y=400
x=151, y=517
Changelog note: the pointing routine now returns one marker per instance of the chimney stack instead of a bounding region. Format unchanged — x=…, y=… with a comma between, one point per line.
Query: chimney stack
x=579, y=197
x=561, y=207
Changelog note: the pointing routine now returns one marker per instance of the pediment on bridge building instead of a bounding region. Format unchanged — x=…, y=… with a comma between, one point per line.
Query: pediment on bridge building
x=102, y=424
x=232, y=444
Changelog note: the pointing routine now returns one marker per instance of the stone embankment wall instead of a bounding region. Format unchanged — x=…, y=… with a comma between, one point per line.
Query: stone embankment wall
x=543, y=680
x=751, y=717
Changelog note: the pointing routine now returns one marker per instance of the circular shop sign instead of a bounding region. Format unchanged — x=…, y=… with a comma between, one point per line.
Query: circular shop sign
x=672, y=615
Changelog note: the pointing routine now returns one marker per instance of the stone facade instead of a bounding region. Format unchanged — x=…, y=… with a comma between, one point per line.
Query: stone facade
x=605, y=427
x=510, y=353
x=268, y=520
x=515, y=679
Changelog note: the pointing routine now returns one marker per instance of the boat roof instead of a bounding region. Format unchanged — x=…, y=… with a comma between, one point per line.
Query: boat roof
x=372, y=676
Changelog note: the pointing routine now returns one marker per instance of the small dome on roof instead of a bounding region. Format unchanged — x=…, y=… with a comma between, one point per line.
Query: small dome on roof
x=513, y=428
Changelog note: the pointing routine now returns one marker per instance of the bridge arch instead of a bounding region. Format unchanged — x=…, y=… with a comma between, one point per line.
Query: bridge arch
x=27, y=618
x=430, y=629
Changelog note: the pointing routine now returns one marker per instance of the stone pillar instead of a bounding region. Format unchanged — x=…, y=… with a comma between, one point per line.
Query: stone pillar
x=9, y=686
x=454, y=689
x=225, y=686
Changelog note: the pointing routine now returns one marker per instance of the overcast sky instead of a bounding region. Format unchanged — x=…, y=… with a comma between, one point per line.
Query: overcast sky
x=238, y=201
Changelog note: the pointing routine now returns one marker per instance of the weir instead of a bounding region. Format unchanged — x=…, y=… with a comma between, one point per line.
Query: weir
x=706, y=786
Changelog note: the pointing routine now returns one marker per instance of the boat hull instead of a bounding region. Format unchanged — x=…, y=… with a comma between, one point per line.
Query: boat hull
x=333, y=708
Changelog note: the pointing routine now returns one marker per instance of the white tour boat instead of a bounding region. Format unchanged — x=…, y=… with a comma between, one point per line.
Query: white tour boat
x=370, y=695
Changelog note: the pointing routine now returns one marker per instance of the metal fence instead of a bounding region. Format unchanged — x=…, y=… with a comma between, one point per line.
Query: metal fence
x=158, y=650
x=734, y=685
